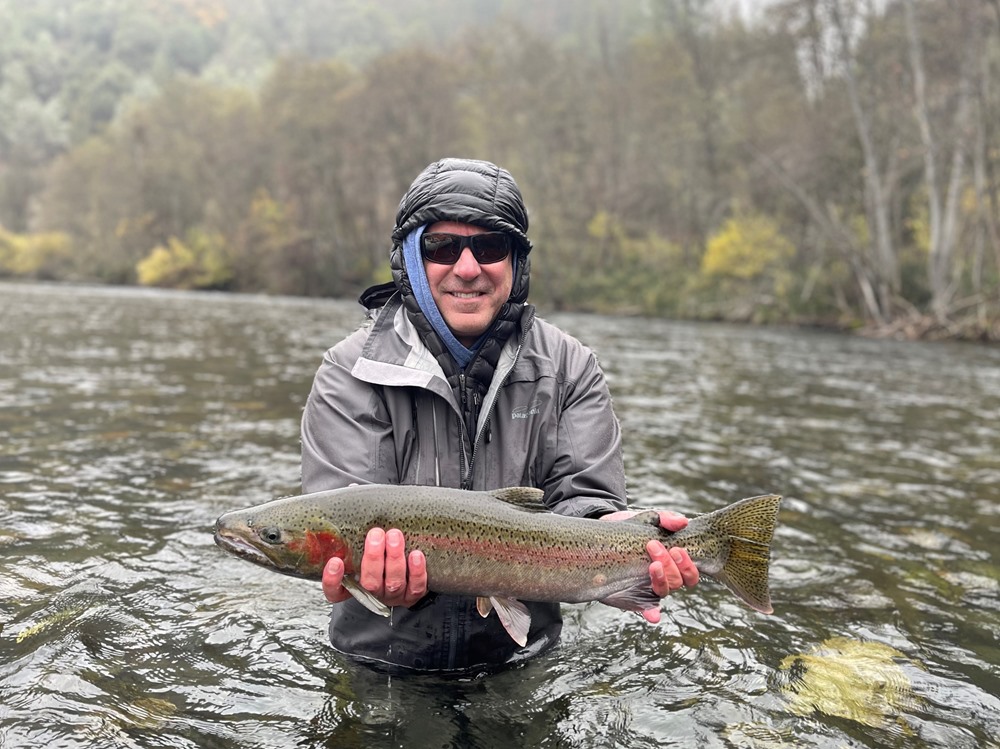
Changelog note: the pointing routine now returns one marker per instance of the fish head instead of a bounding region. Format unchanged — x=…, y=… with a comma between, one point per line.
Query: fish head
x=263, y=537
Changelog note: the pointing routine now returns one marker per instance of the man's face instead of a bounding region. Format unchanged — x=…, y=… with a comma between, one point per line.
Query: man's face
x=469, y=295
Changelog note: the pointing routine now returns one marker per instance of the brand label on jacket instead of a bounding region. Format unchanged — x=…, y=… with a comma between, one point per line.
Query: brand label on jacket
x=523, y=412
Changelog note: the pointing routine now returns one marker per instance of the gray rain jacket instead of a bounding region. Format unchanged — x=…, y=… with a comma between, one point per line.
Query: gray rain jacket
x=389, y=406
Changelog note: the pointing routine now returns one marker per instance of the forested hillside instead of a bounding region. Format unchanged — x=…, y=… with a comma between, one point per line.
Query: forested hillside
x=818, y=161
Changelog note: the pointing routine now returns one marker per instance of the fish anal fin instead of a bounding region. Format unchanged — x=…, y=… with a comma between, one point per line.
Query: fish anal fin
x=365, y=598
x=637, y=597
x=526, y=498
x=515, y=618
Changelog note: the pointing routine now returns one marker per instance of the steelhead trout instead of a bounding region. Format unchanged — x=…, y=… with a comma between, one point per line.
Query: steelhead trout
x=503, y=546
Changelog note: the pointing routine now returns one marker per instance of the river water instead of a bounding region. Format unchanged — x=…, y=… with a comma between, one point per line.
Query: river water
x=130, y=419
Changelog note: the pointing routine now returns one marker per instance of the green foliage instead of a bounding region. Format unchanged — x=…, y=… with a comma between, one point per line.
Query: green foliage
x=271, y=253
x=614, y=270
x=198, y=263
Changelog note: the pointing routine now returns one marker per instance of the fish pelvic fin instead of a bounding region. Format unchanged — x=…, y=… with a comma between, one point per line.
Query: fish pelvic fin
x=747, y=527
x=365, y=598
x=513, y=615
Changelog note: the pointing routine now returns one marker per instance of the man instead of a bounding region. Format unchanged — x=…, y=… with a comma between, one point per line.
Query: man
x=454, y=382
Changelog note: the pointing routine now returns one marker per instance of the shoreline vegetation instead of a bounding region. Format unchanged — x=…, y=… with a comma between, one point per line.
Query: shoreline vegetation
x=969, y=326
x=820, y=163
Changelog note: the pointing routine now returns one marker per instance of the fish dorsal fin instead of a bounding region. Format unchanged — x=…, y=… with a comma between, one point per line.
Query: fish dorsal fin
x=526, y=498
x=646, y=517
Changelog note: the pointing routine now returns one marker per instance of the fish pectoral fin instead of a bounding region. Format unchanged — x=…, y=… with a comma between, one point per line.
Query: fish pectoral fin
x=484, y=606
x=637, y=597
x=365, y=598
x=514, y=616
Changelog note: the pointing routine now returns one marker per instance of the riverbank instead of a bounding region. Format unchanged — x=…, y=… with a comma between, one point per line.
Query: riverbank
x=980, y=325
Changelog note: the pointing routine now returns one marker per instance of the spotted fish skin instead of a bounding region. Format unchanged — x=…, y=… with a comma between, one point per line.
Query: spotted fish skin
x=504, y=545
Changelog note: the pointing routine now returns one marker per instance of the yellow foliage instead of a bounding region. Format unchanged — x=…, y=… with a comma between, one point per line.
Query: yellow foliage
x=34, y=255
x=198, y=264
x=164, y=265
x=747, y=247
x=603, y=226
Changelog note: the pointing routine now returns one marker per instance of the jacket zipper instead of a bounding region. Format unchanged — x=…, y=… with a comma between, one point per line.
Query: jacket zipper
x=465, y=465
x=489, y=413
x=467, y=434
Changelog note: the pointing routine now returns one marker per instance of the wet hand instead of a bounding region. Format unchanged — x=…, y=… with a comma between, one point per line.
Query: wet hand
x=387, y=572
x=670, y=569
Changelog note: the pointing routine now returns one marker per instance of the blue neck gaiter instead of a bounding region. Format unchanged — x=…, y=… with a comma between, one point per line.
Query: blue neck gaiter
x=422, y=293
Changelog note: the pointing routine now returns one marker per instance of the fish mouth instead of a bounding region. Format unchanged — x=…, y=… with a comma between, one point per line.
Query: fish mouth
x=239, y=546
x=233, y=541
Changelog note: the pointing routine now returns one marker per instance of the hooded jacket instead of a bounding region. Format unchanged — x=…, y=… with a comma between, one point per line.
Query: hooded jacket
x=389, y=405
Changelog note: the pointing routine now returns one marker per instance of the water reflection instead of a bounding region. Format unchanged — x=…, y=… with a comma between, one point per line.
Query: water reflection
x=130, y=420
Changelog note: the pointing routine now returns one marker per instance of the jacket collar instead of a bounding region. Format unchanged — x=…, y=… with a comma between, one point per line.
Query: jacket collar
x=395, y=355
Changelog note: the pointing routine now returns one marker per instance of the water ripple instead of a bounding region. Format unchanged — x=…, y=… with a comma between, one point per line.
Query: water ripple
x=132, y=419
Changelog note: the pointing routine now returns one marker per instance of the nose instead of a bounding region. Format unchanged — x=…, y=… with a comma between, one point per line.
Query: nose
x=466, y=266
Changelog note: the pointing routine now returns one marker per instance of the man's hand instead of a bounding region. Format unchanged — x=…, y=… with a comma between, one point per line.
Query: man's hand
x=386, y=571
x=670, y=569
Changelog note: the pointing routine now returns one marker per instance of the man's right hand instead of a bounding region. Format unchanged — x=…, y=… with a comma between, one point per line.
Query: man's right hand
x=387, y=572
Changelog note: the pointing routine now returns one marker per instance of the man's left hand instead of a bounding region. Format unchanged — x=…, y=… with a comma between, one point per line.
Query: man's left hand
x=670, y=569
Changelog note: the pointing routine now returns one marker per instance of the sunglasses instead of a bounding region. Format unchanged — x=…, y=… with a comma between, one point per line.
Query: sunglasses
x=446, y=249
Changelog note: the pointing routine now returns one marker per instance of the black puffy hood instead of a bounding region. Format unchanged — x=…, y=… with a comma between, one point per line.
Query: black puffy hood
x=466, y=190
x=473, y=192
x=470, y=191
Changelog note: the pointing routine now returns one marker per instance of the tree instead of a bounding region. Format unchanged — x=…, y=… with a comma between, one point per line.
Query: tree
x=943, y=203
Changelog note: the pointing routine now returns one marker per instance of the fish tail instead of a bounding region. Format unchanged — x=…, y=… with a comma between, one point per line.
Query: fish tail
x=746, y=528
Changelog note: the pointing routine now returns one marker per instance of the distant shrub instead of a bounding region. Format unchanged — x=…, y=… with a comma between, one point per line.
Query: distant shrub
x=198, y=263
x=45, y=256
x=745, y=271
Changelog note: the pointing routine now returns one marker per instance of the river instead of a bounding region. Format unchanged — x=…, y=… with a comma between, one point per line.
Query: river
x=130, y=419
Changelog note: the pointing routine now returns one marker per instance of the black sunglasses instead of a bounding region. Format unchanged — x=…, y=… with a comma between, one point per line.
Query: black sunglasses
x=446, y=249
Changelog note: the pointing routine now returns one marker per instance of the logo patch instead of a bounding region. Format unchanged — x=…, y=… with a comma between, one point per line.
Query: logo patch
x=523, y=412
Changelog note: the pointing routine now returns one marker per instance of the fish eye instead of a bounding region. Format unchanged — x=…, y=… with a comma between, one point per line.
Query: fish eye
x=270, y=535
